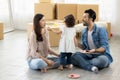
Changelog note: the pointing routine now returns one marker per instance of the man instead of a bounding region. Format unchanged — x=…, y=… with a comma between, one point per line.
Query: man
x=94, y=51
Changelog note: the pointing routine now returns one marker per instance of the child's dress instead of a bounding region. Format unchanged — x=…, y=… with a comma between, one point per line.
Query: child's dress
x=67, y=43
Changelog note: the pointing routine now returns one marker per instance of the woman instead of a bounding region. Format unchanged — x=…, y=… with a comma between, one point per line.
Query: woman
x=39, y=48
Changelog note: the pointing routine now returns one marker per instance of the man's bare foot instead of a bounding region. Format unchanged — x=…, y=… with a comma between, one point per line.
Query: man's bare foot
x=60, y=67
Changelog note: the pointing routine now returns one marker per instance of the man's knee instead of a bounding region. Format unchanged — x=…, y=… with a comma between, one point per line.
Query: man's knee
x=103, y=60
x=100, y=61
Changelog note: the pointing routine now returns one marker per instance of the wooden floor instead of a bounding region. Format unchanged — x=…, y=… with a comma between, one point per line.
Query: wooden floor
x=13, y=65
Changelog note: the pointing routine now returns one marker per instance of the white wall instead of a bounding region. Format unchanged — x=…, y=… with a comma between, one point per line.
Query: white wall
x=23, y=12
x=109, y=11
x=116, y=27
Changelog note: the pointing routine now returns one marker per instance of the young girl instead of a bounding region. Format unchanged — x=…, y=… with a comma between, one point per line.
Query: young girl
x=67, y=41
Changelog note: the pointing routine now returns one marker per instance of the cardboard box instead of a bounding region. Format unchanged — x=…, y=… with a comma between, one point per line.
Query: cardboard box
x=107, y=26
x=64, y=9
x=54, y=23
x=82, y=7
x=109, y=29
x=48, y=9
x=54, y=38
x=45, y=1
x=1, y=30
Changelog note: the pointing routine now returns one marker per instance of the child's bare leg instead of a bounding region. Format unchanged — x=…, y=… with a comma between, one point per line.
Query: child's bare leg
x=69, y=66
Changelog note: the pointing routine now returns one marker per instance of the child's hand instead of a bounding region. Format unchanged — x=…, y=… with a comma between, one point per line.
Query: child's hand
x=49, y=29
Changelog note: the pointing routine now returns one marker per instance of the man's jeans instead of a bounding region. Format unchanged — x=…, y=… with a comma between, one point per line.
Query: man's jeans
x=87, y=61
x=36, y=63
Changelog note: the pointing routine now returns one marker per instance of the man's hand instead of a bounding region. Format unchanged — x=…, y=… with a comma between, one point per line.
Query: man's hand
x=82, y=51
x=91, y=51
x=88, y=51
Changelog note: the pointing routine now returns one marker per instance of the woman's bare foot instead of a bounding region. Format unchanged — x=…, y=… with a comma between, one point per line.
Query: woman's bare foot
x=44, y=70
x=60, y=67
x=49, y=67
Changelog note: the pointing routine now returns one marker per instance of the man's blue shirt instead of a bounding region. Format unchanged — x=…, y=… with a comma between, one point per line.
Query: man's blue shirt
x=100, y=39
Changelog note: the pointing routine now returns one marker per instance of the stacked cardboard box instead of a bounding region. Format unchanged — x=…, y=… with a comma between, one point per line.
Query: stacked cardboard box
x=48, y=9
x=76, y=9
x=59, y=11
x=82, y=7
x=1, y=30
x=54, y=38
x=64, y=9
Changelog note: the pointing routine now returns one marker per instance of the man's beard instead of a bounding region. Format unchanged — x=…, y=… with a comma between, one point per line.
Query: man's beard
x=85, y=24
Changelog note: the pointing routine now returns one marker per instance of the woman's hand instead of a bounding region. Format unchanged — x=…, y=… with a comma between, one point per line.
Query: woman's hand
x=50, y=62
x=40, y=56
x=52, y=52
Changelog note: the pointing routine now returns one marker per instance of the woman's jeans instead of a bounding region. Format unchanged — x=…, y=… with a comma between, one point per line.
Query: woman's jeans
x=87, y=61
x=37, y=63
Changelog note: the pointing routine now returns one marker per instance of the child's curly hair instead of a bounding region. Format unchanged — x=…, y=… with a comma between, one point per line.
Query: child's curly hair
x=69, y=20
